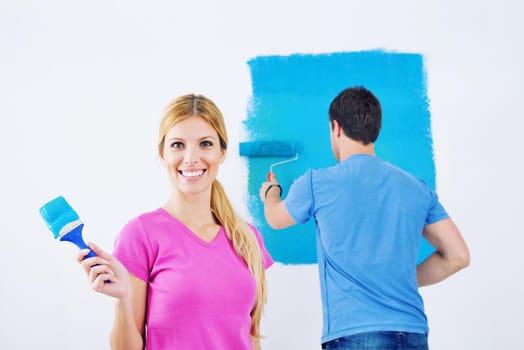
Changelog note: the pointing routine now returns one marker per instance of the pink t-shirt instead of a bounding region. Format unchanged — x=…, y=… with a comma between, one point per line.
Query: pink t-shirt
x=200, y=294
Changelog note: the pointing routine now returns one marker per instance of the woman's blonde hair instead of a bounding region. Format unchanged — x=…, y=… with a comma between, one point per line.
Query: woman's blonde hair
x=238, y=231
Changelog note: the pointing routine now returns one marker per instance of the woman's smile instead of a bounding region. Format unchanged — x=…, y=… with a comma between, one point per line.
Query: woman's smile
x=192, y=173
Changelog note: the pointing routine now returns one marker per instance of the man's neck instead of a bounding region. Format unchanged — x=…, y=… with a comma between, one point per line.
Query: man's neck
x=351, y=147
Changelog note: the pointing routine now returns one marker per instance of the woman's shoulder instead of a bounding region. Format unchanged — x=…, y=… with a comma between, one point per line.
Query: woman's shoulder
x=153, y=216
x=144, y=222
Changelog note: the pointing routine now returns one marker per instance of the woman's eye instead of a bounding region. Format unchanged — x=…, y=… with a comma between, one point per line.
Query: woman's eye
x=177, y=145
x=206, y=143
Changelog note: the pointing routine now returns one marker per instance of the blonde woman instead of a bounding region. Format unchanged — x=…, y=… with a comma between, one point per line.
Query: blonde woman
x=190, y=274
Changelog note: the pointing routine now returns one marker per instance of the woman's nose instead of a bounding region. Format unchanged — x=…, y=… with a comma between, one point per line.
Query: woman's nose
x=191, y=155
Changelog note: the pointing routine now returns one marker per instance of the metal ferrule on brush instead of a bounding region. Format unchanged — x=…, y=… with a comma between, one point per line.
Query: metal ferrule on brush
x=69, y=227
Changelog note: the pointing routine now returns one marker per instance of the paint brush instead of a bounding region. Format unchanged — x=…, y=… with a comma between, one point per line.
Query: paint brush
x=269, y=149
x=65, y=224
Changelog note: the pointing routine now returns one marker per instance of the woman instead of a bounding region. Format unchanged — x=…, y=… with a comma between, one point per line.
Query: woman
x=190, y=274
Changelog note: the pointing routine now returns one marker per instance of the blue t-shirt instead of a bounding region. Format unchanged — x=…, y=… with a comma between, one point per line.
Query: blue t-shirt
x=369, y=217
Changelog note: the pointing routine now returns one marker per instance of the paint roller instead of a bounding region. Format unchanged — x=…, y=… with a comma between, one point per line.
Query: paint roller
x=269, y=149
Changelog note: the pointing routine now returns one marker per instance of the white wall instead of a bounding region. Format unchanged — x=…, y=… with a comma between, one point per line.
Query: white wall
x=82, y=86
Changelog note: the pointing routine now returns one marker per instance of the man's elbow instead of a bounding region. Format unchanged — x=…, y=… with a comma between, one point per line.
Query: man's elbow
x=461, y=260
x=466, y=259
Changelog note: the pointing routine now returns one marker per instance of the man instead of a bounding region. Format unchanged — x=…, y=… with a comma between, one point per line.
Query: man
x=369, y=216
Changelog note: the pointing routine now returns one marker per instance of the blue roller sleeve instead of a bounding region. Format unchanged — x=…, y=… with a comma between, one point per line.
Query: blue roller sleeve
x=75, y=236
x=267, y=149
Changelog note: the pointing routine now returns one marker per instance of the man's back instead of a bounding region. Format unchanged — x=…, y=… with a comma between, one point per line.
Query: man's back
x=370, y=216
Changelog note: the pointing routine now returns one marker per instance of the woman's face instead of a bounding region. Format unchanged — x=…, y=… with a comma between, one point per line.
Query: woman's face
x=192, y=155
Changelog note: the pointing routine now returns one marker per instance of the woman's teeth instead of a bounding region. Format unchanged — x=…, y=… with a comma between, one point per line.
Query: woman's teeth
x=192, y=173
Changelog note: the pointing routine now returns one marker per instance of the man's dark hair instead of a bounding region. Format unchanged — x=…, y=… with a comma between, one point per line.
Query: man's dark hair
x=358, y=112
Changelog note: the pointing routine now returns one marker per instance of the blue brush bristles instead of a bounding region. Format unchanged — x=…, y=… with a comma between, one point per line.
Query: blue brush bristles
x=267, y=149
x=64, y=222
x=57, y=213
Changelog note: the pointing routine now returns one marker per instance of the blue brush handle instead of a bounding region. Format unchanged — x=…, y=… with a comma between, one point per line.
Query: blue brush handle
x=75, y=236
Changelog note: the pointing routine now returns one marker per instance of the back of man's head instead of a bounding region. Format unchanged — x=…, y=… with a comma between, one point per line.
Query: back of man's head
x=359, y=114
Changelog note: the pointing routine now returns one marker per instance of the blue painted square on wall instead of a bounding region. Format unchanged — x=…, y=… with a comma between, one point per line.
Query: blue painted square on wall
x=290, y=101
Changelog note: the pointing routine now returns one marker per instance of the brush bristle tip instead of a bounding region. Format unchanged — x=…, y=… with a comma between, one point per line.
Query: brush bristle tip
x=57, y=213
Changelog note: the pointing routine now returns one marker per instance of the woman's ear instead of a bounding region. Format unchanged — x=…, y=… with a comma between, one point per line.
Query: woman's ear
x=223, y=157
x=162, y=159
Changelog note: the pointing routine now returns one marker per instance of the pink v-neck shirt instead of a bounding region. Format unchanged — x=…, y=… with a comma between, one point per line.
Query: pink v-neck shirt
x=200, y=294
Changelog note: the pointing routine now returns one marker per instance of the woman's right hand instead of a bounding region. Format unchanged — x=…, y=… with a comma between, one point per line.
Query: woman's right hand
x=105, y=267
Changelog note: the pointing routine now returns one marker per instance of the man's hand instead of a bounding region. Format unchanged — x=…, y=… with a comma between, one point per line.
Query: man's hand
x=275, y=210
x=270, y=189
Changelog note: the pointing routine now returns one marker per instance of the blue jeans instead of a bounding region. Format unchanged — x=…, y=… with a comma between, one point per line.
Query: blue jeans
x=380, y=341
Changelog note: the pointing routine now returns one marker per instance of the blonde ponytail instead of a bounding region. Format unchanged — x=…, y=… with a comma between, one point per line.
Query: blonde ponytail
x=246, y=246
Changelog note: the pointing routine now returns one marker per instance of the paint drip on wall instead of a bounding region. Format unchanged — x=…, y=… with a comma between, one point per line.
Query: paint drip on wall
x=290, y=101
